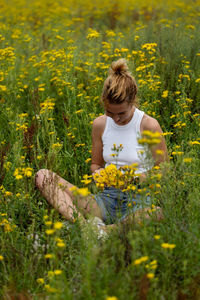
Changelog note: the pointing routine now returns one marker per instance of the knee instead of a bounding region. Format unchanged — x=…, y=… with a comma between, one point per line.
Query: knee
x=40, y=177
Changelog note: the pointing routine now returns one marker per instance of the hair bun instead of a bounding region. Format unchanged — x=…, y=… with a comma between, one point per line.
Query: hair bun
x=119, y=67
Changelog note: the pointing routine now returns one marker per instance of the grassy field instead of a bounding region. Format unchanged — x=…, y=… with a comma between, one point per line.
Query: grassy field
x=54, y=58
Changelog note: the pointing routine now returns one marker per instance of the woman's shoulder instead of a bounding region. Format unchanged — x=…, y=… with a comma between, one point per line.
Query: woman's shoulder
x=99, y=123
x=150, y=123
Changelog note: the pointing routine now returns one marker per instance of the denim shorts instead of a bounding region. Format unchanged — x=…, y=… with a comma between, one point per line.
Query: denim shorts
x=116, y=205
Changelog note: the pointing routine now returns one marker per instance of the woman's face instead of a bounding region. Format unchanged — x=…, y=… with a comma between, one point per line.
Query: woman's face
x=120, y=113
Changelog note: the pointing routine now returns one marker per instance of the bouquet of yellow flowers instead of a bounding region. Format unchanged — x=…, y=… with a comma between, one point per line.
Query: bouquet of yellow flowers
x=111, y=176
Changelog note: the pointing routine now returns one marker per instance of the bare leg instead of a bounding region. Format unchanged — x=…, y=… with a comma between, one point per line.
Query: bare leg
x=145, y=213
x=148, y=213
x=57, y=192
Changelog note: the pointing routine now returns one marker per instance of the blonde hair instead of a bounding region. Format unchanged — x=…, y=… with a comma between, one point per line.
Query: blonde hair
x=119, y=86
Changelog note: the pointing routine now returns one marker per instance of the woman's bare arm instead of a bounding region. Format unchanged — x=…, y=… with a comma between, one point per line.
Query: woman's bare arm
x=97, y=144
x=159, y=151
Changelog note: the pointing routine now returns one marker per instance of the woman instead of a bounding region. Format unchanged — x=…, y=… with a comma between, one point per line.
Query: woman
x=121, y=124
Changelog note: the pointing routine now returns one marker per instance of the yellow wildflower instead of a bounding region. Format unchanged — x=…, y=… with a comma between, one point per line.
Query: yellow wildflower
x=58, y=272
x=92, y=34
x=61, y=245
x=194, y=143
x=50, y=274
x=187, y=159
x=7, y=193
x=28, y=172
x=168, y=246
x=177, y=153
x=87, y=179
x=159, y=152
x=58, y=225
x=51, y=289
x=7, y=165
x=49, y=231
x=48, y=223
x=88, y=160
x=110, y=33
x=3, y=88
x=156, y=167
x=58, y=239
x=152, y=265
x=40, y=280
x=165, y=94
x=167, y=133
x=57, y=146
x=150, y=275
x=59, y=37
x=153, y=262
x=48, y=255
x=140, y=260
x=83, y=192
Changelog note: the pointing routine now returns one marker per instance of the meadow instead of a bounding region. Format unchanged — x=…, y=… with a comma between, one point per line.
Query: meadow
x=54, y=58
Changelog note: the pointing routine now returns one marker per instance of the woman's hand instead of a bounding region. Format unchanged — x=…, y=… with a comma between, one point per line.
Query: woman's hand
x=96, y=172
x=142, y=177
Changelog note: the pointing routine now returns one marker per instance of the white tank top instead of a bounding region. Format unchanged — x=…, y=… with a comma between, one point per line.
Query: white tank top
x=127, y=135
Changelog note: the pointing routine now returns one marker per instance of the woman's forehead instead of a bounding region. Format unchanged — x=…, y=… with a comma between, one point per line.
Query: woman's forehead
x=117, y=108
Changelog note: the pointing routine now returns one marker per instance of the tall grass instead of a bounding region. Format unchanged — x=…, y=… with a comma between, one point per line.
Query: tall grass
x=54, y=57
